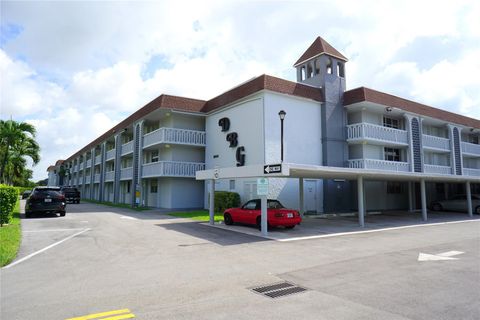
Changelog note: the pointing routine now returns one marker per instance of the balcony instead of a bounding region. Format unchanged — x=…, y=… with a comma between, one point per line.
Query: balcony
x=471, y=172
x=127, y=148
x=98, y=159
x=171, y=169
x=89, y=163
x=436, y=169
x=88, y=179
x=375, y=134
x=110, y=155
x=174, y=136
x=126, y=173
x=374, y=164
x=109, y=176
x=470, y=149
x=436, y=143
x=96, y=178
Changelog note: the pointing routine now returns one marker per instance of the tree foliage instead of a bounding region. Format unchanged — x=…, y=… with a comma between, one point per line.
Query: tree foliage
x=17, y=142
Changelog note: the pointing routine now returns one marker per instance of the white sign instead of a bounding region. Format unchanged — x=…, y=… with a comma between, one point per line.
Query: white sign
x=439, y=256
x=262, y=186
x=272, y=168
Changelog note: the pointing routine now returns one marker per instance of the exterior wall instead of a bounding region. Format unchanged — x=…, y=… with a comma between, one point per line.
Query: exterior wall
x=377, y=198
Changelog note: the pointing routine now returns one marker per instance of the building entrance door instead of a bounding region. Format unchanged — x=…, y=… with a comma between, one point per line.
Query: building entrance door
x=310, y=196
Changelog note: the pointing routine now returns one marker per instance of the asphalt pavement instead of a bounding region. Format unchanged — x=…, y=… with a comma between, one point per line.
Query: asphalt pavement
x=117, y=262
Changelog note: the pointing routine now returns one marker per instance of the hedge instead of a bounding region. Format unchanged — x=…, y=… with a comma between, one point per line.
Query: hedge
x=226, y=199
x=22, y=189
x=8, y=199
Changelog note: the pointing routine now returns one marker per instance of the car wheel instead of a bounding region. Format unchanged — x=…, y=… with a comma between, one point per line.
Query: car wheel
x=289, y=227
x=228, y=219
x=477, y=210
x=437, y=207
x=28, y=214
x=62, y=214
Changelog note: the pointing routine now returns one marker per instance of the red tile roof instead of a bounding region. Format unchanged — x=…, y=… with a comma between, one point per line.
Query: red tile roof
x=319, y=46
x=366, y=94
x=50, y=168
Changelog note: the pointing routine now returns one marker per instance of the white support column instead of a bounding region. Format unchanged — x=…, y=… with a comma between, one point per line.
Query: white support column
x=410, y=197
x=264, y=220
x=469, y=199
x=212, y=202
x=301, y=197
x=424, y=199
x=361, y=207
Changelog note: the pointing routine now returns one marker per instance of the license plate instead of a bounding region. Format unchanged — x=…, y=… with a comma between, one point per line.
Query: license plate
x=48, y=200
x=289, y=215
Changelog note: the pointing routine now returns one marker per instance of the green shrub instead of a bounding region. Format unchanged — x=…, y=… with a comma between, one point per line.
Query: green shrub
x=226, y=199
x=8, y=199
x=22, y=189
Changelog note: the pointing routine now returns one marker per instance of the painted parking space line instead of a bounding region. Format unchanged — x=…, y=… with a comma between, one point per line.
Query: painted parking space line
x=52, y=230
x=115, y=315
x=128, y=218
x=45, y=249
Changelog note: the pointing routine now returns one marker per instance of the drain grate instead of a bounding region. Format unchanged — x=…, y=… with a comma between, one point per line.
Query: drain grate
x=278, y=290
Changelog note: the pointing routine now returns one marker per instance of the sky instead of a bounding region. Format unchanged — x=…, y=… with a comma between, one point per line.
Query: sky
x=76, y=69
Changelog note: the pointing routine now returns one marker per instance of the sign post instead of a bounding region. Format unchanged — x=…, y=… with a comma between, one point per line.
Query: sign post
x=262, y=191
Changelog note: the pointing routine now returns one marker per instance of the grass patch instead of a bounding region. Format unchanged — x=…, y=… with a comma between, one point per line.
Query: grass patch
x=116, y=205
x=10, y=237
x=199, y=215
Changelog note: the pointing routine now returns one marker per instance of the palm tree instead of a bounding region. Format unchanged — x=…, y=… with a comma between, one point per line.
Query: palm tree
x=17, y=141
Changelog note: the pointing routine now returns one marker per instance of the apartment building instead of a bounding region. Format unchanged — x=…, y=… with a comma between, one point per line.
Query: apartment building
x=151, y=158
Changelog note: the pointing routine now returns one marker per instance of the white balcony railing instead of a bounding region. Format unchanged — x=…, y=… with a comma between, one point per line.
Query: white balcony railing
x=88, y=179
x=96, y=178
x=89, y=163
x=174, y=136
x=110, y=154
x=471, y=172
x=471, y=148
x=436, y=169
x=126, y=173
x=171, y=169
x=109, y=176
x=372, y=132
x=98, y=159
x=374, y=164
x=127, y=148
x=436, y=143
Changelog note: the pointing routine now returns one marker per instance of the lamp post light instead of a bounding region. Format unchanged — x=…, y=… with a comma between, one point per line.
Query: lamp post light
x=282, y=115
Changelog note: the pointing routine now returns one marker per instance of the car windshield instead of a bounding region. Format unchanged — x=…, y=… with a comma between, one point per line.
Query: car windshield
x=45, y=192
x=69, y=189
x=274, y=204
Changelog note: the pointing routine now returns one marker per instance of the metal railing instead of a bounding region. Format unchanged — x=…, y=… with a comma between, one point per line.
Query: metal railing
x=98, y=159
x=431, y=168
x=89, y=163
x=109, y=176
x=171, y=169
x=174, y=136
x=87, y=179
x=110, y=154
x=471, y=148
x=96, y=178
x=369, y=131
x=374, y=164
x=434, y=142
x=127, y=148
x=471, y=172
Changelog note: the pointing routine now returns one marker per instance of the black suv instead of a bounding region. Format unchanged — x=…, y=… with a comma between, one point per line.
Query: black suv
x=44, y=200
x=71, y=194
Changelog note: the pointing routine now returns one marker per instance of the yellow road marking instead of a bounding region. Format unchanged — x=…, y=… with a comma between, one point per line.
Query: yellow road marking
x=117, y=313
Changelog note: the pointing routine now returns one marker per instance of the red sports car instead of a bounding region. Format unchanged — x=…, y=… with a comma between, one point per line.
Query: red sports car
x=250, y=213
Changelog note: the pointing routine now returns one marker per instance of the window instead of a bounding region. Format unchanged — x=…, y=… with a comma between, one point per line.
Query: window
x=394, y=187
x=391, y=123
x=153, y=186
x=155, y=156
x=232, y=184
x=472, y=139
x=250, y=205
x=392, y=154
x=128, y=186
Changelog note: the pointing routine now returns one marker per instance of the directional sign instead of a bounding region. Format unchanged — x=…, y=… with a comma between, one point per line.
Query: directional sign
x=262, y=186
x=439, y=256
x=272, y=168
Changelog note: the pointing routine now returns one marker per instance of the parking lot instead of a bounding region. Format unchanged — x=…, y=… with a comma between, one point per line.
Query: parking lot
x=100, y=259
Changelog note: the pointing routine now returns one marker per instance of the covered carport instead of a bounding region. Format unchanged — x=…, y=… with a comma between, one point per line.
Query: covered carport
x=301, y=171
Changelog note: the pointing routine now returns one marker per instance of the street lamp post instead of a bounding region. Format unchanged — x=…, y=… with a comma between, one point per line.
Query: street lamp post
x=281, y=114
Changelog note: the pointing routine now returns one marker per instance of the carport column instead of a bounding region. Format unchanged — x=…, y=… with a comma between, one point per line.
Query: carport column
x=410, y=196
x=118, y=155
x=301, y=198
x=469, y=199
x=264, y=220
x=92, y=174
x=212, y=202
x=424, y=199
x=361, y=208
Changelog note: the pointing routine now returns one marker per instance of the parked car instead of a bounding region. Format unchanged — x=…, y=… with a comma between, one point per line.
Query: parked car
x=71, y=194
x=250, y=213
x=45, y=200
x=457, y=203
x=26, y=193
